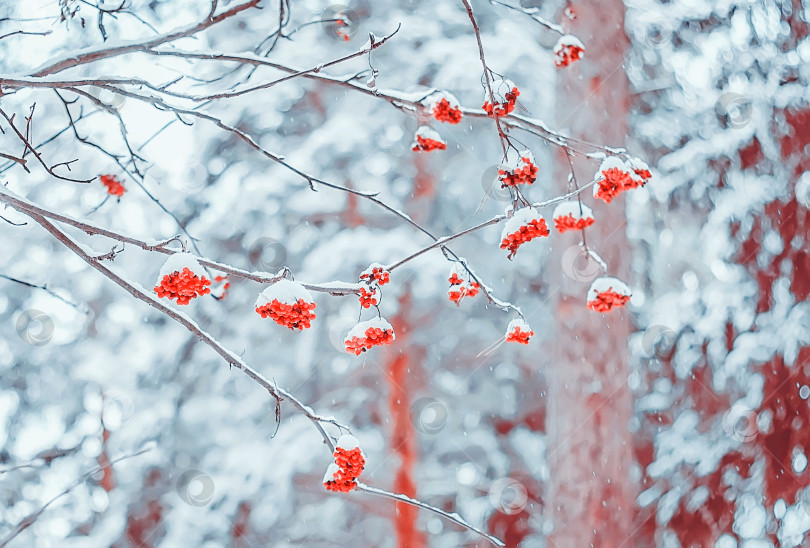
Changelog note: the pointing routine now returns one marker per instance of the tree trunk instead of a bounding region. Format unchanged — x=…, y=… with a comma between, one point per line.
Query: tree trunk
x=591, y=495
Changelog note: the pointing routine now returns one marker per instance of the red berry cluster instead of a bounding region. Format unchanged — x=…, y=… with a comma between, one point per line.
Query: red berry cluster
x=615, y=176
x=460, y=288
x=567, y=54
x=534, y=229
x=606, y=300
x=376, y=273
x=369, y=297
x=504, y=108
x=114, y=186
x=607, y=292
x=568, y=222
x=183, y=286
x=426, y=144
x=294, y=316
x=443, y=111
x=518, y=331
x=524, y=174
x=341, y=476
x=368, y=334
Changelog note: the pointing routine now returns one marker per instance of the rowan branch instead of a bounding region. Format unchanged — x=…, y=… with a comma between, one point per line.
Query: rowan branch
x=232, y=359
x=455, y=518
x=37, y=155
x=29, y=208
x=94, y=55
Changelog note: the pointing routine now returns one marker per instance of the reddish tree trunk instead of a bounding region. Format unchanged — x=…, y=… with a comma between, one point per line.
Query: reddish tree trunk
x=591, y=497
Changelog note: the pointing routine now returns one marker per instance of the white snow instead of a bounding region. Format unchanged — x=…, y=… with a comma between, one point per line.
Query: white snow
x=179, y=261
x=518, y=322
x=348, y=442
x=359, y=330
x=600, y=285
x=522, y=217
x=566, y=41
x=572, y=208
x=500, y=87
x=331, y=470
x=427, y=132
x=284, y=291
x=437, y=96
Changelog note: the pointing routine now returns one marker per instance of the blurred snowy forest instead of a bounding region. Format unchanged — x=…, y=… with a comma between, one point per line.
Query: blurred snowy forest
x=263, y=134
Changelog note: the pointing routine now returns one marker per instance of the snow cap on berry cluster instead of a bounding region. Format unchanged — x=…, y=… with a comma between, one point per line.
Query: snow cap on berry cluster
x=376, y=273
x=607, y=292
x=518, y=331
x=568, y=49
x=177, y=262
x=640, y=169
x=368, y=334
x=458, y=273
x=347, y=442
x=522, y=217
x=283, y=291
x=182, y=278
x=572, y=216
x=426, y=139
x=616, y=175
x=331, y=471
x=500, y=87
x=521, y=169
x=444, y=107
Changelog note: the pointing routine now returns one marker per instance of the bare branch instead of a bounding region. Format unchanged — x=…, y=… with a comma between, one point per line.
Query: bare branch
x=455, y=518
x=29, y=520
x=106, y=53
x=29, y=146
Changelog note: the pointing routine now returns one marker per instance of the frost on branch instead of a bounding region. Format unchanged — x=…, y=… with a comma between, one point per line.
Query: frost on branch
x=376, y=273
x=572, y=216
x=182, y=278
x=518, y=331
x=505, y=93
x=616, y=175
x=460, y=286
x=444, y=107
x=367, y=334
x=607, y=292
x=525, y=225
x=520, y=171
x=567, y=50
x=286, y=303
x=113, y=185
x=427, y=139
x=350, y=461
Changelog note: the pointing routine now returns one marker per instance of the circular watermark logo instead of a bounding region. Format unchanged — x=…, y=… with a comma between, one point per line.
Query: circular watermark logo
x=195, y=488
x=267, y=254
x=428, y=415
x=736, y=109
x=657, y=32
x=117, y=408
x=338, y=328
x=508, y=495
x=578, y=265
x=492, y=185
x=109, y=99
x=35, y=327
x=193, y=177
x=740, y=423
x=657, y=339
x=340, y=22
